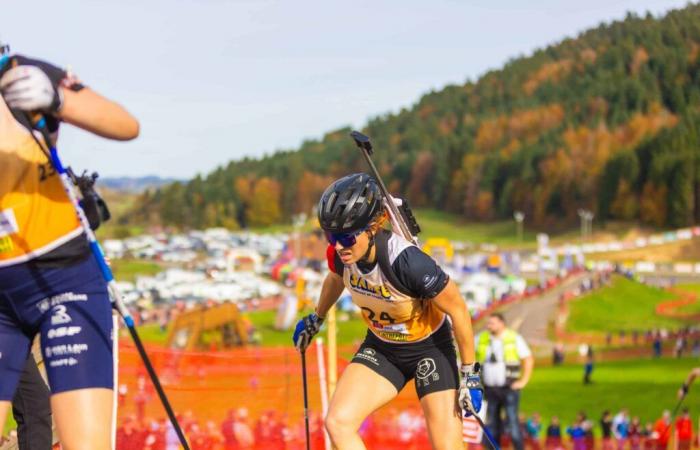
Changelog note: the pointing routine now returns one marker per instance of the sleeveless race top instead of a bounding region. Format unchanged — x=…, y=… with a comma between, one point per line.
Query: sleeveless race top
x=391, y=315
x=35, y=213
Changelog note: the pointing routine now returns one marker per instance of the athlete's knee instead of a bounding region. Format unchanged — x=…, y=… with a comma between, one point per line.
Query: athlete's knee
x=445, y=443
x=87, y=444
x=339, y=425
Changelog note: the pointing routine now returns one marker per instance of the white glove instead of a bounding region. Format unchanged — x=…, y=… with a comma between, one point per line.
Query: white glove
x=471, y=391
x=28, y=88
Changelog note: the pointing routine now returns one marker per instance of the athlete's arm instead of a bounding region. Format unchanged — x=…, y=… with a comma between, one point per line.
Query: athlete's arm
x=451, y=303
x=33, y=85
x=330, y=291
x=527, y=363
x=92, y=112
x=694, y=373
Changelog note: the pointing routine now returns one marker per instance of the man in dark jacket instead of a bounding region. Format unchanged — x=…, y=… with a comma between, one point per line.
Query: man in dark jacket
x=31, y=409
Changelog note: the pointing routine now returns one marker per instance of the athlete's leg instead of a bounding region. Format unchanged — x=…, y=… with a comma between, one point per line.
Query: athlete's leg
x=14, y=348
x=83, y=418
x=359, y=392
x=4, y=409
x=76, y=339
x=436, y=380
x=444, y=419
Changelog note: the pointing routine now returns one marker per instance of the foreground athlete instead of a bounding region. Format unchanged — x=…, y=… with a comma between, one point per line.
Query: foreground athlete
x=50, y=284
x=409, y=336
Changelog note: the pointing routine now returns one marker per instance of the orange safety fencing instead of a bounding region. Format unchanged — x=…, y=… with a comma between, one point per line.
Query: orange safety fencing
x=253, y=395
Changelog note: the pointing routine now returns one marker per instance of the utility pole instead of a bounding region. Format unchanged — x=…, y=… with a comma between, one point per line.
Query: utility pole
x=298, y=220
x=581, y=214
x=519, y=217
x=586, y=217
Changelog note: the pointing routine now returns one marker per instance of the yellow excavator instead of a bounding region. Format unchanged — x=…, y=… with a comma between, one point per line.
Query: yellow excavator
x=222, y=323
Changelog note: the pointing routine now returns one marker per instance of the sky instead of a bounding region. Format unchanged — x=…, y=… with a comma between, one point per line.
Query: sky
x=217, y=80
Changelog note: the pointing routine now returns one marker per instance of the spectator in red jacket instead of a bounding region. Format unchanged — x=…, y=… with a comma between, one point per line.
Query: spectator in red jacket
x=648, y=439
x=662, y=430
x=131, y=435
x=684, y=431
x=230, y=442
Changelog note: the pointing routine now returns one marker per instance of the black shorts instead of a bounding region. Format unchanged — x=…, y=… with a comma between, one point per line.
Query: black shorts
x=431, y=362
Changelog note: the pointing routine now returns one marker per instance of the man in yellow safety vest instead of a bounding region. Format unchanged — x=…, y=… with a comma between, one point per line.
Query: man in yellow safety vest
x=506, y=362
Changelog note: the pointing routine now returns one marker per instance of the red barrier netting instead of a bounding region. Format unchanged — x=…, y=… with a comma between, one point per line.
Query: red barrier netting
x=243, y=399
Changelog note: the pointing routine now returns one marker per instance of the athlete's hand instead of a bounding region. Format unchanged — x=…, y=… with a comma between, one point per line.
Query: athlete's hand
x=305, y=330
x=28, y=88
x=471, y=391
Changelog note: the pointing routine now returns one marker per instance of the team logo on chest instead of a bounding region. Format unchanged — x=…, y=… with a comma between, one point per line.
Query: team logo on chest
x=362, y=285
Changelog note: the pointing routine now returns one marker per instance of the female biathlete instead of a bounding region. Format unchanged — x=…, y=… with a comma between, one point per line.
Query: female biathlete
x=49, y=282
x=409, y=336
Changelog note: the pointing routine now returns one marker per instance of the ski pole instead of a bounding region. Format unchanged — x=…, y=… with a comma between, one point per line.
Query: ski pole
x=40, y=124
x=678, y=405
x=483, y=426
x=306, y=398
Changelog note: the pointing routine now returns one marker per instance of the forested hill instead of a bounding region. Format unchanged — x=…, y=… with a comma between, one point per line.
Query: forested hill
x=608, y=121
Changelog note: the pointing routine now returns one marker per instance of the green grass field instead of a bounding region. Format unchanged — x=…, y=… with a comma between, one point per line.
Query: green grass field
x=450, y=226
x=644, y=386
x=693, y=308
x=120, y=203
x=150, y=333
x=624, y=305
x=349, y=331
x=128, y=269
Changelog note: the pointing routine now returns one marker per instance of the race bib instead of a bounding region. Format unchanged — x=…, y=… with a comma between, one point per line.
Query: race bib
x=8, y=223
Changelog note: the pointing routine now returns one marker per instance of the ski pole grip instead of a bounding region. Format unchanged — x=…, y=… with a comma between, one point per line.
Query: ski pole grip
x=362, y=141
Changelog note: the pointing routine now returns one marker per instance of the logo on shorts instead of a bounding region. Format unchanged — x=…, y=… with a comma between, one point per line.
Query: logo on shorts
x=59, y=299
x=63, y=332
x=60, y=315
x=63, y=362
x=426, y=371
x=368, y=354
x=65, y=349
x=425, y=368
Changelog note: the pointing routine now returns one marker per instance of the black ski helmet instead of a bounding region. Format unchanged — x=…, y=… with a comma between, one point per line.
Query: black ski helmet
x=349, y=204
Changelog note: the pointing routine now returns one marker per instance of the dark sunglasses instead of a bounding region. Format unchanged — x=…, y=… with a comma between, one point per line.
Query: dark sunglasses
x=345, y=239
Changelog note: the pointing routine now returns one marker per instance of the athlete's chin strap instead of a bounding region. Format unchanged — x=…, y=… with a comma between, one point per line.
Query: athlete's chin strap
x=365, y=257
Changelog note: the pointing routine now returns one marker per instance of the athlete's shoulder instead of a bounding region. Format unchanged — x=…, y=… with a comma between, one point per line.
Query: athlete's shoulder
x=416, y=269
x=57, y=75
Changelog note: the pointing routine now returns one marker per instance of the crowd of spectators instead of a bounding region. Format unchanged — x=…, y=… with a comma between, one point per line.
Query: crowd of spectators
x=405, y=430
x=610, y=432
x=272, y=430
